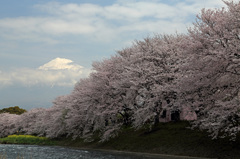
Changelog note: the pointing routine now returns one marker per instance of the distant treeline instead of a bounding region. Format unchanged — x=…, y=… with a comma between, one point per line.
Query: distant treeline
x=13, y=110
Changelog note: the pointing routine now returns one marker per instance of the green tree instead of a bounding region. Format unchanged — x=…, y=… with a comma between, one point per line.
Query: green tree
x=13, y=110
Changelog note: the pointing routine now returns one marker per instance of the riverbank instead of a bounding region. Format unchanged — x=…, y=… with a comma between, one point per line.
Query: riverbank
x=166, y=138
x=14, y=151
x=26, y=139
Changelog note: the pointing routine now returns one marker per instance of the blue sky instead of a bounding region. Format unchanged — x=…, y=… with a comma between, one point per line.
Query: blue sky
x=47, y=46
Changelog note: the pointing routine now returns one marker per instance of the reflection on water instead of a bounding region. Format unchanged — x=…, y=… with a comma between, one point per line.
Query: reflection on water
x=55, y=152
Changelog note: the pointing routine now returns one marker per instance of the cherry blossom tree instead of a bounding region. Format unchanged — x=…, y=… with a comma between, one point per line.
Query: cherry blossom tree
x=133, y=87
x=96, y=101
x=151, y=73
x=55, y=118
x=8, y=124
x=31, y=122
x=212, y=77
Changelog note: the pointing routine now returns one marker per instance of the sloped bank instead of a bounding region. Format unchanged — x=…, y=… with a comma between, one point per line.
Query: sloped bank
x=171, y=139
x=166, y=138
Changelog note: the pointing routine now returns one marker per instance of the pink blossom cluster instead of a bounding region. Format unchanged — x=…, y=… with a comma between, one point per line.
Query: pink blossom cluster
x=196, y=75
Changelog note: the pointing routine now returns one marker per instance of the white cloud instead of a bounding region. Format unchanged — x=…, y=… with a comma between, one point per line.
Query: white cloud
x=4, y=79
x=60, y=72
x=103, y=23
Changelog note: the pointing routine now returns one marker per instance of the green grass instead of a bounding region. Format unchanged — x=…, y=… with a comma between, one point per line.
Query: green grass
x=26, y=139
x=166, y=138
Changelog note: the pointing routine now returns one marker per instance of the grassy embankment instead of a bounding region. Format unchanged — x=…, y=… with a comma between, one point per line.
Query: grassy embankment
x=26, y=139
x=166, y=138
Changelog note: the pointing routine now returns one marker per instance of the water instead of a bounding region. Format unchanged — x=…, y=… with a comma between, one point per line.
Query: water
x=55, y=152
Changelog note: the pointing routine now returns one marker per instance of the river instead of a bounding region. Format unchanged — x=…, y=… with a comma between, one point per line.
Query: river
x=56, y=152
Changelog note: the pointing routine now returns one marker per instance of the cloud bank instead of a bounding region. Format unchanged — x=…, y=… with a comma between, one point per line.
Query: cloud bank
x=103, y=23
x=59, y=72
x=119, y=22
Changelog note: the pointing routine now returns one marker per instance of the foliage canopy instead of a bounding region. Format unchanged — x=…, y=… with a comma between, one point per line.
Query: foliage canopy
x=13, y=110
